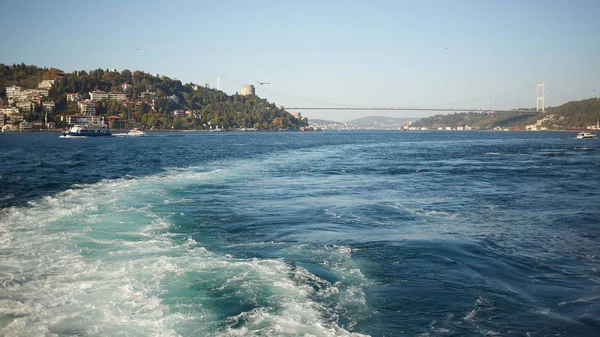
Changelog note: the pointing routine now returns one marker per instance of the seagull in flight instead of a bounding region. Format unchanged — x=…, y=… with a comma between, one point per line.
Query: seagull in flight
x=141, y=49
x=262, y=83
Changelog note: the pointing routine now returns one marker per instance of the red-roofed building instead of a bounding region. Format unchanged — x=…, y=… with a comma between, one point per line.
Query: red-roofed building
x=113, y=121
x=74, y=97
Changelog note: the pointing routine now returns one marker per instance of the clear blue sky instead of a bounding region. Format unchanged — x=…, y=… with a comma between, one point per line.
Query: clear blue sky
x=364, y=53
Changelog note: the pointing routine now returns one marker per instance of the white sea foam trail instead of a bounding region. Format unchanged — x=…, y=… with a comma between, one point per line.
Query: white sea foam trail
x=99, y=260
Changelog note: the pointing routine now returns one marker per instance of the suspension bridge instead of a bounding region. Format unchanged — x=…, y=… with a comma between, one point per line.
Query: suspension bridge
x=526, y=98
x=514, y=100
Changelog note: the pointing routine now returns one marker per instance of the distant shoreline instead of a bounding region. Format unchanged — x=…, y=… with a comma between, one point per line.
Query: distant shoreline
x=115, y=131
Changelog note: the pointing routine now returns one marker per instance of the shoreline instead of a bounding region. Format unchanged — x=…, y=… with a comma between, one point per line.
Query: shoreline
x=333, y=130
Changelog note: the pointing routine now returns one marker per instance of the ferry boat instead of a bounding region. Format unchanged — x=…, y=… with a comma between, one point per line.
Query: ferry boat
x=84, y=131
x=585, y=135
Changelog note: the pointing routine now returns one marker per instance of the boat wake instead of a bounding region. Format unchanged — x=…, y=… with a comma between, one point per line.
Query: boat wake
x=104, y=259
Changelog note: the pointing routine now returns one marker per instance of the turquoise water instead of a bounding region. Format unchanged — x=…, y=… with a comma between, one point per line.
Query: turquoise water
x=300, y=234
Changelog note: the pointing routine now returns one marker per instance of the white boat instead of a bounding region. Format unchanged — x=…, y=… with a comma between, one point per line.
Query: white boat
x=136, y=132
x=585, y=135
x=84, y=131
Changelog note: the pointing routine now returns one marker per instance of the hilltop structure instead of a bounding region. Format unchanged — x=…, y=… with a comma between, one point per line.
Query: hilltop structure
x=247, y=90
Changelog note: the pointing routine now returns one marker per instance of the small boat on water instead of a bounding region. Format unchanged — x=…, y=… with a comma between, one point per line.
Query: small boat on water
x=84, y=131
x=133, y=132
x=136, y=132
x=585, y=135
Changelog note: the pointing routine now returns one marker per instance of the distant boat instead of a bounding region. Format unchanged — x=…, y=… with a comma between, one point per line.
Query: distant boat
x=136, y=132
x=133, y=132
x=84, y=131
x=585, y=135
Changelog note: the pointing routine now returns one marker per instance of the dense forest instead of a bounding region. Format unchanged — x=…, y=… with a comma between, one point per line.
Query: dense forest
x=210, y=107
x=575, y=114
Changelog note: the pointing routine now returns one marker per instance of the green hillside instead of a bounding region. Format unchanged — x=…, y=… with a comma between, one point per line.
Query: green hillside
x=205, y=107
x=575, y=114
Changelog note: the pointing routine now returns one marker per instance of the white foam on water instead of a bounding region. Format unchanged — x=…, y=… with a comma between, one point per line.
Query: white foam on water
x=587, y=299
x=99, y=260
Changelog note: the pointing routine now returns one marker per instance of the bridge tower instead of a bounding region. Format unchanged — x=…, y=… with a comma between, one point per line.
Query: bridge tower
x=539, y=96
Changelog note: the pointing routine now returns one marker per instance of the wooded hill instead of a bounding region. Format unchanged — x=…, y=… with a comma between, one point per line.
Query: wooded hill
x=575, y=114
x=211, y=107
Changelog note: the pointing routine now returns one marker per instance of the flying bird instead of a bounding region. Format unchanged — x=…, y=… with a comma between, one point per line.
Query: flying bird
x=262, y=83
x=140, y=49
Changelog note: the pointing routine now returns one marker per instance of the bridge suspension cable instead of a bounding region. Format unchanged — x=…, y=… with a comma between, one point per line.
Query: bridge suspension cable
x=296, y=97
x=559, y=93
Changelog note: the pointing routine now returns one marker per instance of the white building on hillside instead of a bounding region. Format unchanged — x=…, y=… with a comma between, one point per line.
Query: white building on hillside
x=16, y=118
x=87, y=107
x=9, y=111
x=82, y=119
x=97, y=95
x=13, y=91
x=46, y=84
x=48, y=106
x=74, y=97
x=119, y=96
x=24, y=106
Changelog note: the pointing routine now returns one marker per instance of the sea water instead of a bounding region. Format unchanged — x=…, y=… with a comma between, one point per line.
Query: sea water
x=300, y=234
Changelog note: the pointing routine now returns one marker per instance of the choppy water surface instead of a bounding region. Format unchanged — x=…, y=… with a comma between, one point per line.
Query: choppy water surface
x=300, y=234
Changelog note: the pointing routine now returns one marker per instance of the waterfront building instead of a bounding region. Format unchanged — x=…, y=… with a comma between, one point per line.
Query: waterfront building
x=25, y=125
x=247, y=89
